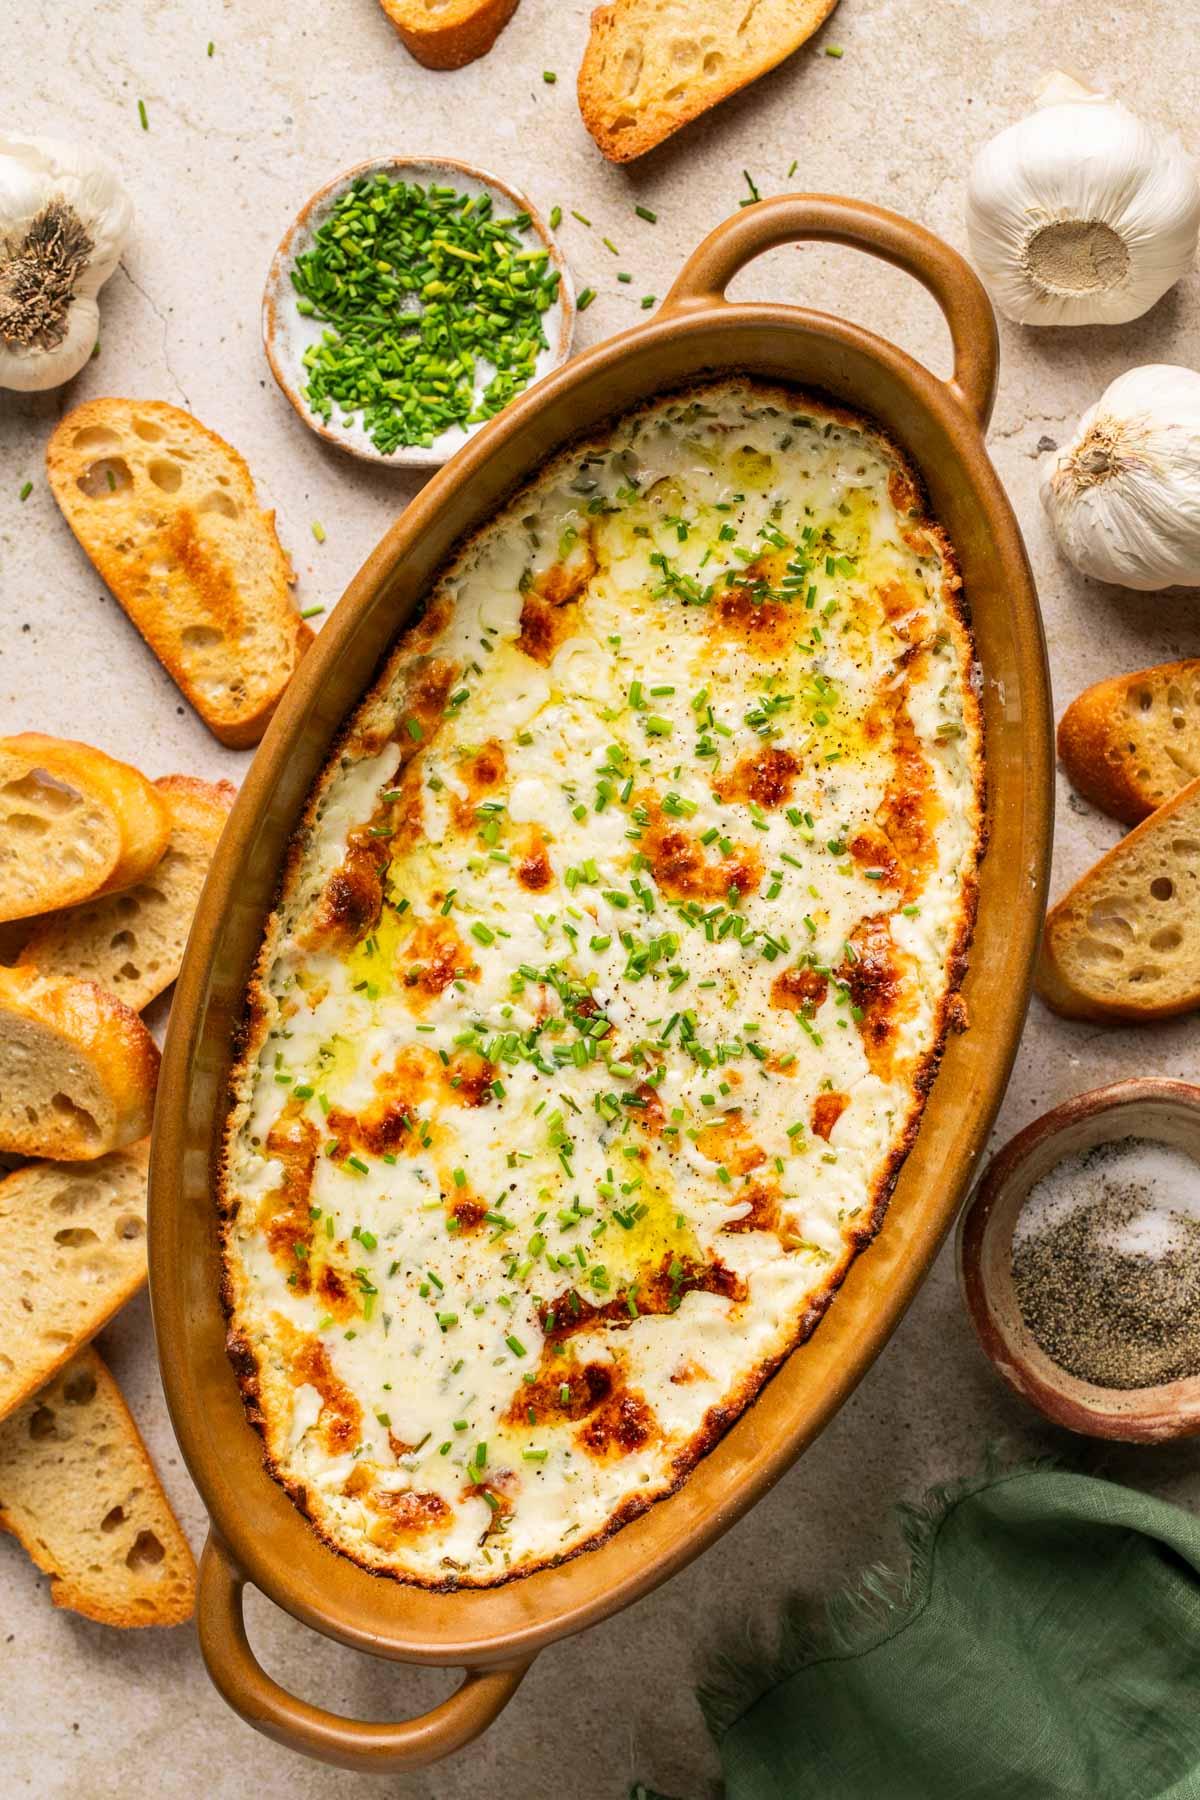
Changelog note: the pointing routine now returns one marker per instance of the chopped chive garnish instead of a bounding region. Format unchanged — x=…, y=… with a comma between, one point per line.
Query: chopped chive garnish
x=318, y=531
x=585, y=299
x=555, y=217
x=549, y=77
x=643, y=212
x=25, y=491
x=142, y=115
x=310, y=612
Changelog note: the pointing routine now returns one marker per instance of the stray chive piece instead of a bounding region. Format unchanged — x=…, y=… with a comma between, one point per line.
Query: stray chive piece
x=623, y=275
x=648, y=301
x=585, y=299
x=211, y=47
x=555, y=217
x=794, y=167
x=583, y=220
x=643, y=212
x=310, y=612
x=142, y=115
x=609, y=245
x=25, y=491
x=318, y=531
x=834, y=50
x=754, y=193
x=549, y=77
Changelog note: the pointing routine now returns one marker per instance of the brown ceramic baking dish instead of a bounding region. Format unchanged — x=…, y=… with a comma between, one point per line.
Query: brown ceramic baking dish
x=257, y=1534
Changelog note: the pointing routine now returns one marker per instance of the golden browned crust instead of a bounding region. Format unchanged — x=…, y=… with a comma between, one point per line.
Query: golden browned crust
x=1145, y=854
x=140, y=811
x=216, y=595
x=1107, y=739
x=460, y=33
x=626, y=34
x=910, y=495
x=104, y=1033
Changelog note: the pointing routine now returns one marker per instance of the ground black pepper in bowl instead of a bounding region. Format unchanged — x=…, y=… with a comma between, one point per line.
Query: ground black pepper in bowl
x=1106, y=1264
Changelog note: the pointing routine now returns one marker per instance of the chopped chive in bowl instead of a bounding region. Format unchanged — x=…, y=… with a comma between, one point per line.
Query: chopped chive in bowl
x=432, y=306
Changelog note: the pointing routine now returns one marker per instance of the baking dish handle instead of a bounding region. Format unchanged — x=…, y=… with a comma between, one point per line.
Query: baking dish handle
x=798, y=218
x=348, y=1743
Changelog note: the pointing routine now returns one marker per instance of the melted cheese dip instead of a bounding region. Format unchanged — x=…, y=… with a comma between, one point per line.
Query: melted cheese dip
x=612, y=964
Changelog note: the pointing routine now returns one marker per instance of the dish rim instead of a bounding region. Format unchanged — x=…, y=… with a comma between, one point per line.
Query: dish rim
x=695, y=333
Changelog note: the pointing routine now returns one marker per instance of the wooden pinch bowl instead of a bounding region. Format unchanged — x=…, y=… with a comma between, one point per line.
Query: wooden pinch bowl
x=1167, y=1112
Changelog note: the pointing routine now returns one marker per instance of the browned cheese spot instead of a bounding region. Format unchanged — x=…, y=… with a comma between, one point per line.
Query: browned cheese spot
x=646, y=1108
x=656, y=1291
x=586, y=1386
x=763, y=1196
x=390, y=1122
x=766, y=626
x=547, y=616
x=877, y=986
x=533, y=867
x=284, y=1212
x=399, y=1516
x=728, y=1141
x=435, y=956
x=827, y=1109
x=340, y=1418
x=352, y=898
x=624, y=1423
x=800, y=989
x=481, y=773
x=684, y=870
x=765, y=777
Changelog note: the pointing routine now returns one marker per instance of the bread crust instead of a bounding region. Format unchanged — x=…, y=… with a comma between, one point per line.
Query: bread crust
x=1070, y=918
x=105, y=1294
x=465, y=30
x=1103, y=745
x=86, y=1484
x=98, y=941
x=212, y=594
x=109, y=1038
x=626, y=126
x=141, y=813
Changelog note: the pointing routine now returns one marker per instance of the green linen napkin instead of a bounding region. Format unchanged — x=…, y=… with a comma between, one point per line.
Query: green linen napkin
x=1046, y=1646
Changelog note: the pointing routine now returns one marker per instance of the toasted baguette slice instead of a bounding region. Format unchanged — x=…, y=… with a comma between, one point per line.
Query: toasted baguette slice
x=73, y=823
x=447, y=34
x=133, y=943
x=167, y=512
x=1124, y=943
x=78, y=1489
x=1129, y=743
x=77, y=1068
x=651, y=65
x=72, y=1250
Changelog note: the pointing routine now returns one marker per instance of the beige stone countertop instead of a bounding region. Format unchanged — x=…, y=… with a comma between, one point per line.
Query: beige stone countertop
x=236, y=142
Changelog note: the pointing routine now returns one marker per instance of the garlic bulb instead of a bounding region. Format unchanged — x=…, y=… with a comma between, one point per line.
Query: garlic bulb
x=64, y=218
x=1124, y=495
x=1080, y=214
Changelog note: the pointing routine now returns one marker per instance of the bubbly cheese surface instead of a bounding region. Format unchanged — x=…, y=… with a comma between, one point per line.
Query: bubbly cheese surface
x=609, y=972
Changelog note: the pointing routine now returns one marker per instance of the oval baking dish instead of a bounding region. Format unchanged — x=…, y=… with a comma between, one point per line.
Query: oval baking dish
x=258, y=1535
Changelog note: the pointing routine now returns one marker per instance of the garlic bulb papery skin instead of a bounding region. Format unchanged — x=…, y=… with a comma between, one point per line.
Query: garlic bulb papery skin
x=64, y=219
x=1124, y=495
x=1081, y=214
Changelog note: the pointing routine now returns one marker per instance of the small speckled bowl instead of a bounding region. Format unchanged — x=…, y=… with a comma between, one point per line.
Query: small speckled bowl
x=287, y=333
x=1165, y=1111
